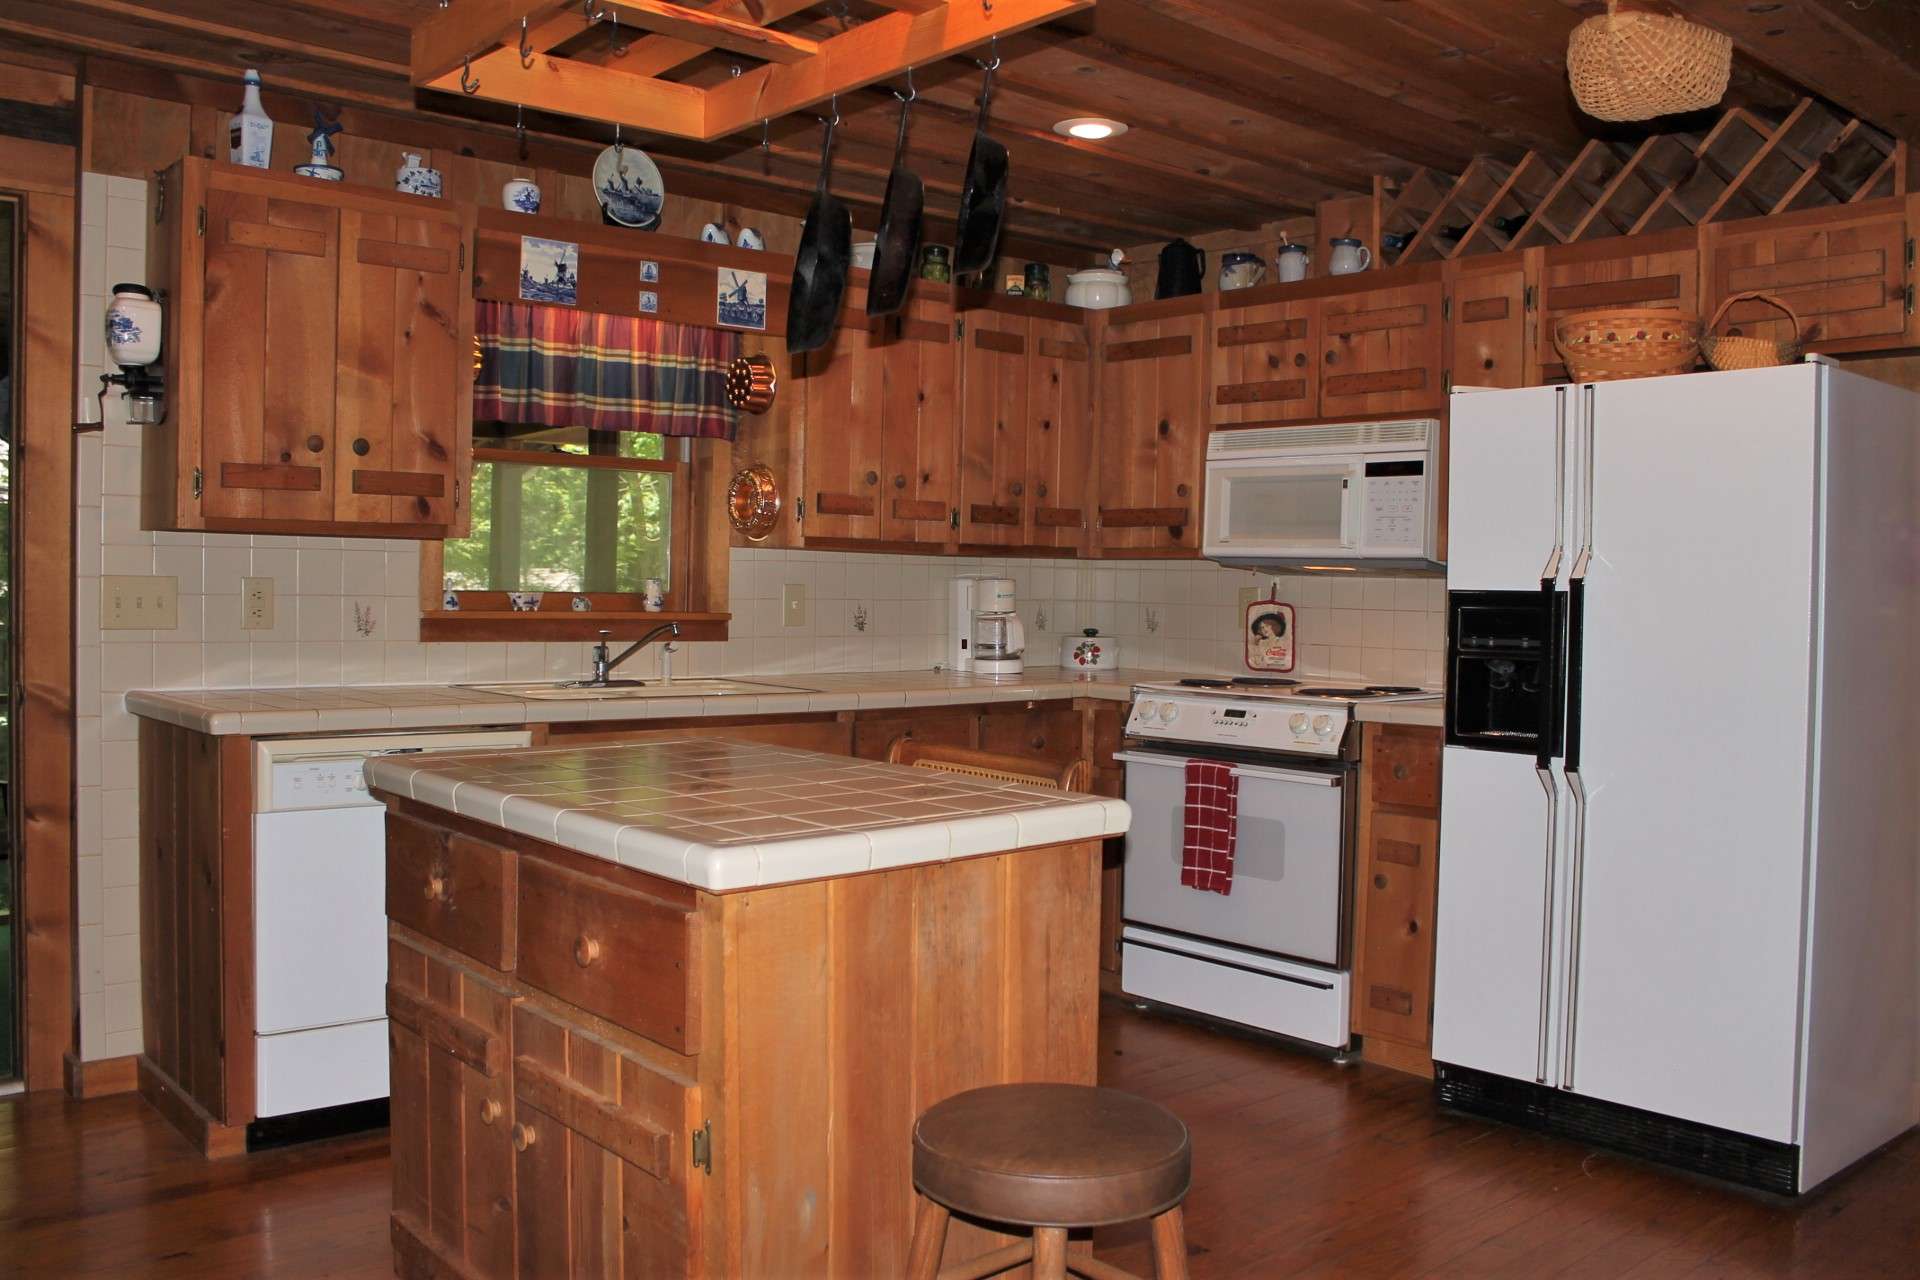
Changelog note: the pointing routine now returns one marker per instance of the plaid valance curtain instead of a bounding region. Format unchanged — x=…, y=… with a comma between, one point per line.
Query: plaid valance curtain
x=558, y=367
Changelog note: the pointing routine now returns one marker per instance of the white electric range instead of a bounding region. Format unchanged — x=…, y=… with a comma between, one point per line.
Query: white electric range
x=1272, y=952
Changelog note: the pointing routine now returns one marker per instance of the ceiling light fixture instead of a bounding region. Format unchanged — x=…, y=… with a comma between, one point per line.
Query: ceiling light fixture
x=1090, y=128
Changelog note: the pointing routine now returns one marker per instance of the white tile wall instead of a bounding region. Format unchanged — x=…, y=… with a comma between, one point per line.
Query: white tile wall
x=347, y=612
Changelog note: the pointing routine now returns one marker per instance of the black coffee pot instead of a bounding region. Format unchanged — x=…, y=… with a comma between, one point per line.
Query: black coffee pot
x=1181, y=269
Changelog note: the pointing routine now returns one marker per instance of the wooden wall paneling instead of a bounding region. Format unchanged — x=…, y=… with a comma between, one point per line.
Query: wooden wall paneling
x=1381, y=351
x=1264, y=362
x=1153, y=376
x=1060, y=438
x=1489, y=321
x=1658, y=269
x=1844, y=271
x=132, y=136
x=775, y=439
x=995, y=422
x=920, y=401
x=43, y=607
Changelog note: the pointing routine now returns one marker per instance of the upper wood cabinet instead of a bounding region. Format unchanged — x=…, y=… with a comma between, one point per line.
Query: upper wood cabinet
x=1153, y=385
x=319, y=357
x=1380, y=351
x=1844, y=271
x=1060, y=441
x=1657, y=269
x=1487, y=323
x=881, y=422
x=1264, y=362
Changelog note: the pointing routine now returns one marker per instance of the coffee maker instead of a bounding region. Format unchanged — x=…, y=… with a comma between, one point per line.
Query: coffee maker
x=988, y=637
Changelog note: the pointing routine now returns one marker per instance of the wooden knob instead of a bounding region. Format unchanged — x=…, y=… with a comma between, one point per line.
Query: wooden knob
x=1039, y=743
x=1273, y=361
x=873, y=477
x=1165, y=426
x=436, y=888
x=1041, y=488
x=585, y=950
x=316, y=444
x=1016, y=488
x=1299, y=359
x=490, y=1111
x=523, y=1136
x=1180, y=491
x=1332, y=357
x=360, y=446
x=1046, y=424
x=1379, y=882
x=899, y=482
x=1399, y=773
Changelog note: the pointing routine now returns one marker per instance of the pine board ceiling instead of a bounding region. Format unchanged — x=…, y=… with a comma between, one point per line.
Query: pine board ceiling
x=1240, y=111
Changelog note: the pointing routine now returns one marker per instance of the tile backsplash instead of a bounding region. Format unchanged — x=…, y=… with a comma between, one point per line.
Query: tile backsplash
x=346, y=611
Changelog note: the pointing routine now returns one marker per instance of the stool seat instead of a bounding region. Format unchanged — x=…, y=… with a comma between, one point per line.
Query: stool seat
x=1052, y=1155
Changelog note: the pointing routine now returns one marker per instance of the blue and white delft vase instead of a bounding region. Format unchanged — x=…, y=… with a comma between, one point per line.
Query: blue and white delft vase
x=520, y=196
x=250, y=130
x=416, y=179
x=133, y=326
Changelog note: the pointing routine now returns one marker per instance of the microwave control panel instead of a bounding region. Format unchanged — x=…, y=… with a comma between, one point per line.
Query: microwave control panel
x=1395, y=507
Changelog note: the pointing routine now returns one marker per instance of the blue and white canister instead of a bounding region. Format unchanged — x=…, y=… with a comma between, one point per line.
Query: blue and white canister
x=133, y=326
x=520, y=195
x=415, y=178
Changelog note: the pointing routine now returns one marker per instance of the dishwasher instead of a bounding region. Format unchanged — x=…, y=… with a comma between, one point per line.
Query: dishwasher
x=320, y=926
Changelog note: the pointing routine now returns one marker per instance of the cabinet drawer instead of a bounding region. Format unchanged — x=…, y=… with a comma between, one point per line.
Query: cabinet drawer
x=620, y=954
x=1039, y=732
x=454, y=889
x=1405, y=767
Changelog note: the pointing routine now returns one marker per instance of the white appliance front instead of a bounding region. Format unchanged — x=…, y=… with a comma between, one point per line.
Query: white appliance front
x=1286, y=896
x=1509, y=510
x=321, y=1067
x=1255, y=990
x=320, y=936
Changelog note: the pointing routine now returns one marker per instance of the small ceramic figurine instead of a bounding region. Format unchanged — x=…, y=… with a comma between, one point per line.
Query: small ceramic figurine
x=321, y=166
x=713, y=233
x=524, y=601
x=250, y=131
x=655, y=597
x=520, y=195
x=415, y=178
x=750, y=238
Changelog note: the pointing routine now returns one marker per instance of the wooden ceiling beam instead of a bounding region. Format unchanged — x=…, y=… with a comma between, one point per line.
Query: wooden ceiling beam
x=655, y=55
x=875, y=50
x=305, y=35
x=711, y=29
x=469, y=29
x=566, y=87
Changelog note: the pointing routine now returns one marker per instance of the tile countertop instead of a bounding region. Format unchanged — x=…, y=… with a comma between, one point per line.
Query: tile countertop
x=365, y=708
x=719, y=814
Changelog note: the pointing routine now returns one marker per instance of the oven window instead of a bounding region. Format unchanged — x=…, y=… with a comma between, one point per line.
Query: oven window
x=1294, y=508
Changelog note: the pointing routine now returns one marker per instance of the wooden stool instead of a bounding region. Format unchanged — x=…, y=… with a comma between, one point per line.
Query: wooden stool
x=1050, y=1157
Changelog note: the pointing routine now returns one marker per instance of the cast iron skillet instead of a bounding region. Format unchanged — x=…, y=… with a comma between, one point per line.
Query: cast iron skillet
x=820, y=266
x=983, y=200
x=898, y=247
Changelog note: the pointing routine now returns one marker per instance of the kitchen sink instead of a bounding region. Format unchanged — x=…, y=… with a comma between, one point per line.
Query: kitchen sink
x=684, y=688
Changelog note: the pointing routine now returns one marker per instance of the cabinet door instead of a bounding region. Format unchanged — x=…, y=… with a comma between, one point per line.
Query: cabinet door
x=453, y=1187
x=1843, y=272
x=1659, y=270
x=1152, y=434
x=1380, y=351
x=398, y=382
x=1487, y=326
x=604, y=1170
x=994, y=429
x=1060, y=433
x=1039, y=731
x=268, y=351
x=842, y=384
x=1265, y=364
x=920, y=424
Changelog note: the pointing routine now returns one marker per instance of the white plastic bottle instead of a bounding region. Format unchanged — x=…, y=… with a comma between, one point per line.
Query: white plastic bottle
x=250, y=132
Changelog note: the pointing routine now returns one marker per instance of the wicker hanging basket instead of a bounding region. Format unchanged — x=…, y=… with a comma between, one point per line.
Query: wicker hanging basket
x=1635, y=66
x=1739, y=351
x=1611, y=343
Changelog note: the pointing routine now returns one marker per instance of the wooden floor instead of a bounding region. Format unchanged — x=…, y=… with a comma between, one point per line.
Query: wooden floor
x=1302, y=1168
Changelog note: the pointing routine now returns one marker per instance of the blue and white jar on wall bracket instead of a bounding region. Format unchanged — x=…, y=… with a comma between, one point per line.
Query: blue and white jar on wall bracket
x=520, y=195
x=133, y=326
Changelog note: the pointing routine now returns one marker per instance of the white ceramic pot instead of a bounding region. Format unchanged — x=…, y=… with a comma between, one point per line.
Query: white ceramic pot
x=1291, y=263
x=519, y=195
x=1098, y=289
x=1347, y=256
x=1089, y=651
x=133, y=326
x=415, y=178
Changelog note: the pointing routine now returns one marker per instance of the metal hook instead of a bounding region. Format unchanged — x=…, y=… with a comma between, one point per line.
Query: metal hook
x=619, y=148
x=986, y=8
x=766, y=135
x=526, y=46
x=993, y=52
x=520, y=128
x=614, y=43
x=834, y=108
x=468, y=84
x=912, y=93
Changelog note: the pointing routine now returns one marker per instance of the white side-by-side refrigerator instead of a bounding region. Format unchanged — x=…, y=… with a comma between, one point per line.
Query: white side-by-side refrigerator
x=1679, y=828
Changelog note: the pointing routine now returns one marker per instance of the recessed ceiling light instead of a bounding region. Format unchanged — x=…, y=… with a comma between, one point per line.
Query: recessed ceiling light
x=1091, y=128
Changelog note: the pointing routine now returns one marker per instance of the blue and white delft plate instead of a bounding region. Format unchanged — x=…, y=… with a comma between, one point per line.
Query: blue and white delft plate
x=629, y=187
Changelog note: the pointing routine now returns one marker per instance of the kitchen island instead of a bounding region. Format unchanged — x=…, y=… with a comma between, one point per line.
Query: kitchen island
x=670, y=1007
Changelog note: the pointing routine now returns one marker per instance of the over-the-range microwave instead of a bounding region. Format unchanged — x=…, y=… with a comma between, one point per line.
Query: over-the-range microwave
x=1353, y=495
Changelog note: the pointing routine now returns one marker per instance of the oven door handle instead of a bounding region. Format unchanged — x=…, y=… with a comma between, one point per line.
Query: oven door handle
x=1259, y=773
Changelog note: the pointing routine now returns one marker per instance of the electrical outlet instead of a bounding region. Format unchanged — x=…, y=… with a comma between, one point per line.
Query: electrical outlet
x=256, y=604
x=793, y=605
x=139, y=603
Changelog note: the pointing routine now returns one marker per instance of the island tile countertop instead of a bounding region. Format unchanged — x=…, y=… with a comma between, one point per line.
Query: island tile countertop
x=367, y=708
x=720, y=814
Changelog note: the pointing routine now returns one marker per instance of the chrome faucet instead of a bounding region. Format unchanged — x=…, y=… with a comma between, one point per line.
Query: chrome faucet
x=603, y=666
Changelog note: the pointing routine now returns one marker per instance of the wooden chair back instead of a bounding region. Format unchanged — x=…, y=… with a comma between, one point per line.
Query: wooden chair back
x=1075, y=775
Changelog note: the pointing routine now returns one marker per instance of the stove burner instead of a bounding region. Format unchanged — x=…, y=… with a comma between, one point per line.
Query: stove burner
x=1198, y=682
x=1263, y=682
x=1393, y=688
x=1337, y=693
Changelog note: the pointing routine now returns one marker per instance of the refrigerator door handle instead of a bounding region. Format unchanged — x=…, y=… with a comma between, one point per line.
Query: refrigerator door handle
x=1550, y=573
x=1546, y=918
x=1570, y=1004
x=1586, y=484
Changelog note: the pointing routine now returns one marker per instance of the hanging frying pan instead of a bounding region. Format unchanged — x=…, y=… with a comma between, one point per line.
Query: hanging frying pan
x=820, y=266
x=897, y=251
x=983, y=200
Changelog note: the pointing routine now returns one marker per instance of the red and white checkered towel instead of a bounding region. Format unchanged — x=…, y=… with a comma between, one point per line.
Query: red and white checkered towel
x=1212, y=822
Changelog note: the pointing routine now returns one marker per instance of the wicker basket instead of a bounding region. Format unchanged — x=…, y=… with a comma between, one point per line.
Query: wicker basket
x=1635, y=66
x=1610, y=343
x=1739, y=351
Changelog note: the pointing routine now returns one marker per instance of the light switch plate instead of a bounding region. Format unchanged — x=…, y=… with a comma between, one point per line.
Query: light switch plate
x=256, y=604
x=793, y=605
x=145, y=602
x=1247, y=596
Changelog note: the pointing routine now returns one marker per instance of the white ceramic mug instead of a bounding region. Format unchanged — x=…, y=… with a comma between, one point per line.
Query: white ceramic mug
x=1348, y=256
x=1292, y=263
x=1241, y=269
x=519, y=195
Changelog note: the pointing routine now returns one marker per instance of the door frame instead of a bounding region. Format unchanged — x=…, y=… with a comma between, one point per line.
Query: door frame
x=43, y=176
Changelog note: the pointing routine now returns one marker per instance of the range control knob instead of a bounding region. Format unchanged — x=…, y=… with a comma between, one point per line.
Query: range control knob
x=1323, y=725
x=1298, y=722
x=1167, y=712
